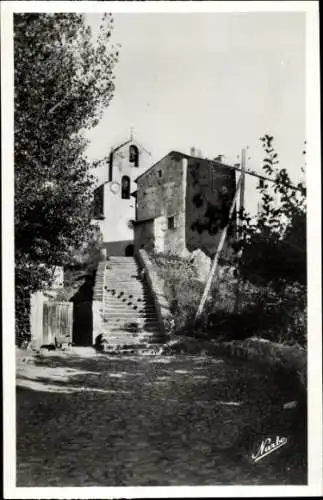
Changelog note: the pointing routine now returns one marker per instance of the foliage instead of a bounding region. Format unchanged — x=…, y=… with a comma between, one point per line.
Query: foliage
x=271, y=262
x=274, y=243
x=272, y=255
x=182, y=288
x=63, y=80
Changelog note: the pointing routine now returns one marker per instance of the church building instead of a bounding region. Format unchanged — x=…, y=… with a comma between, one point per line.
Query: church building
x=114, y=204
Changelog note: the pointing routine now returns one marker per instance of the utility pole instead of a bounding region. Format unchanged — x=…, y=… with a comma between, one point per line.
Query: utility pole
x=218, y=253
x=242, y=188
x=240, y=221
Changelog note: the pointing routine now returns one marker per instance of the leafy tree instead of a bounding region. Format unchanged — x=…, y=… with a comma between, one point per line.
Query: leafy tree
x=271, y=255
x=274, y=242
x=63, y=78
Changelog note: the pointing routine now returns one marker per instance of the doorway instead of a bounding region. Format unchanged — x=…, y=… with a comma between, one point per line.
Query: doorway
x=82, y=313
x=129, y=251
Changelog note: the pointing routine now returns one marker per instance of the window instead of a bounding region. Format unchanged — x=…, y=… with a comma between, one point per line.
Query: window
x=213, y=178
x=160, y=173
x=125, y=187
x=171, y=223
x=134, y=155
x=98, y=206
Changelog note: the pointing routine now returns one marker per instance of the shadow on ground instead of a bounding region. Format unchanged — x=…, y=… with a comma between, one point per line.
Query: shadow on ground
x=102, y=420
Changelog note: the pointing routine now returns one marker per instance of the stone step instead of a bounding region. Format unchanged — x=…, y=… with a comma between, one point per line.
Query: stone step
x=129, y=310
x=117, y=288
x=129, y=295
x=129, y=326
x=117, y=277
x=134, y=307
x=129, y=302
x=128, y=337
x=126, y=295
x=122, y=259
x=151, y=349
x=133, y=322
x=121, y=299
x=115, y=329
x=122, y=270
x=126, y=327
x=121, y=338
x=122, y=266
x=128, y=316
x=112, y=285
x=128, y=345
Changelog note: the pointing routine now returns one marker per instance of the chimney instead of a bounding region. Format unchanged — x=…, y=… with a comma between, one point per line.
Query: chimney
x=219, y=158
x=192, y=151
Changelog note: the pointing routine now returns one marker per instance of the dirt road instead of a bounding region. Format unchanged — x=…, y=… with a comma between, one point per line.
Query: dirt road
x=93, y=420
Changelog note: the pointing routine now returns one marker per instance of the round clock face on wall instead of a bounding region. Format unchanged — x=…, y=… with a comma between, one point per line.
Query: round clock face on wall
x=114, y=187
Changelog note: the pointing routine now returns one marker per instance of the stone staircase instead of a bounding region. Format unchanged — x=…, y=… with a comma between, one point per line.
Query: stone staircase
x=129, y=315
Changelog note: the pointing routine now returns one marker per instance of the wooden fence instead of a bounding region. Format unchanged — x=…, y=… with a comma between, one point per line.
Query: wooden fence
x=51, y=322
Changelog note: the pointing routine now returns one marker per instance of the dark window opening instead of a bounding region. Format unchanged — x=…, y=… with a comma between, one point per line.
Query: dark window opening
x=125, y=187
x=129, y=251
x=171, y=222
x=98, y=203
x=160, y=173
x=134, y=155
x=213, y=180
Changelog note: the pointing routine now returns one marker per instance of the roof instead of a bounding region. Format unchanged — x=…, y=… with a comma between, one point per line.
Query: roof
x=184, y=155
x=148, y=219
x=217, y=163
x=130, y=141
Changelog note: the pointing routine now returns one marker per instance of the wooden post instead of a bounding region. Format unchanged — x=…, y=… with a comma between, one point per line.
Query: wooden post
x=242, y=188
x=36, y=319
x=241, y=208
x=218, y=253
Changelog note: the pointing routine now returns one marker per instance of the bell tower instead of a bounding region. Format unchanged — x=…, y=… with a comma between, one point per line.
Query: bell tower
x=118, y=204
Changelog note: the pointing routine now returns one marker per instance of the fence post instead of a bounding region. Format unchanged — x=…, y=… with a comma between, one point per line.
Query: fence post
x=36, y=319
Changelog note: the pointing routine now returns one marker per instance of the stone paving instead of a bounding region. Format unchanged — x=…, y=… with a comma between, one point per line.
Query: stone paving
x=86, y=419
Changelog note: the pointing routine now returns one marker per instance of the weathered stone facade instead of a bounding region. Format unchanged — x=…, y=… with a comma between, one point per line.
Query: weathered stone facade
x=160, y=221
x=181, y=204
x=210, y=189
x=114, y=204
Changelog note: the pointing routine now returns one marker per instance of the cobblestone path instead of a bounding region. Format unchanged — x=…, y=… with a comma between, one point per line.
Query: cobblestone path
x=107, y=421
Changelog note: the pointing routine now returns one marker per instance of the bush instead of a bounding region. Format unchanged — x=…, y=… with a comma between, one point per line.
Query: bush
x=182, y=288
x=279, y=316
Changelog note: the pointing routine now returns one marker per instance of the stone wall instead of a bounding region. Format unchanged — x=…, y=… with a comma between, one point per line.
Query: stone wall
x=161, y=197
x=210, y=190
x=117, y=248
x=282, y=358
x=144, y=235
x=156, y=285
x=97, y=303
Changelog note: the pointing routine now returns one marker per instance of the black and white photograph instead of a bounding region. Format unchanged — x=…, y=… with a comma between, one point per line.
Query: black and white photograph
x=161, y=256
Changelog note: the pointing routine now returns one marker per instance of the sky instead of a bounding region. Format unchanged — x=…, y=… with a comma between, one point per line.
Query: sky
x=213, y=81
